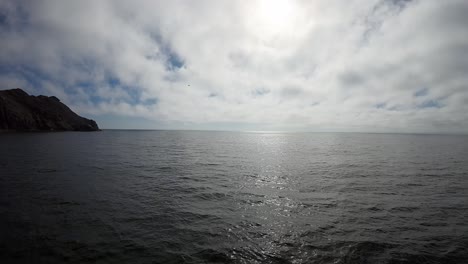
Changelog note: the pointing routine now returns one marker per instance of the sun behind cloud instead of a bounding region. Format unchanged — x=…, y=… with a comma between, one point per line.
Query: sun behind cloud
x=274, y=17
x=353, y=65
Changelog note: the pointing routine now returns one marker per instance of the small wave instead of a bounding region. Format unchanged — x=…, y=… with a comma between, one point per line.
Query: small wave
x=165, y=168
x=211, y=196
x=46, y=170
x=405, y=209
x=214, y=256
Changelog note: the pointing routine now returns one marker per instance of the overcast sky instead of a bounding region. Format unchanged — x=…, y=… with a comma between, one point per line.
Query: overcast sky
x=339, y=65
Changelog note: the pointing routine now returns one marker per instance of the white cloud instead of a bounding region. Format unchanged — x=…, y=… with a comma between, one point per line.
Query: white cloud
x=309, y=65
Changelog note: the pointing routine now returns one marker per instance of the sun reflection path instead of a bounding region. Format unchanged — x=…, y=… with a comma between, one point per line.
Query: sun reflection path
x=269, y=195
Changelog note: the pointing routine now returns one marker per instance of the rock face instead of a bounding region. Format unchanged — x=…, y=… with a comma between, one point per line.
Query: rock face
x=20, y=111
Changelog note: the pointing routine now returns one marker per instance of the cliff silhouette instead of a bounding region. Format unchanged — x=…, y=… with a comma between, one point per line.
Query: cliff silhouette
x=20, y=111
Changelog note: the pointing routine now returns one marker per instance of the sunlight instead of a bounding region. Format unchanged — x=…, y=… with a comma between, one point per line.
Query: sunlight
x=275, y=17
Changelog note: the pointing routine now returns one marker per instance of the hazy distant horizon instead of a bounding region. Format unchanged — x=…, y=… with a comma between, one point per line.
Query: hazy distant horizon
x=284, y=131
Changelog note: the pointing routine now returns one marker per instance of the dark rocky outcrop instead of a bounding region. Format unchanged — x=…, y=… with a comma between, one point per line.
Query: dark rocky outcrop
x=20, y=111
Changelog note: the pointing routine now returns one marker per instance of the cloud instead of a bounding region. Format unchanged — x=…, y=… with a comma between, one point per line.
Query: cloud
x=379, y=65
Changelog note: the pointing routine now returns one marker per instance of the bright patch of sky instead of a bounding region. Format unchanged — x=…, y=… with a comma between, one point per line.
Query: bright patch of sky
x=355, y=65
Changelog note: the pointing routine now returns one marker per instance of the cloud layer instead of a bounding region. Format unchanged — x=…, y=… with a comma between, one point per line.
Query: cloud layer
x=357, y=65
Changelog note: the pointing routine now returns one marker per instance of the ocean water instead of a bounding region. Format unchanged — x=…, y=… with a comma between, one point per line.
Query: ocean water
x=232, y=197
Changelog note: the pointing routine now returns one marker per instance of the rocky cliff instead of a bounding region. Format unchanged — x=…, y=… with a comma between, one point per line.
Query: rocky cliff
x=20, y=111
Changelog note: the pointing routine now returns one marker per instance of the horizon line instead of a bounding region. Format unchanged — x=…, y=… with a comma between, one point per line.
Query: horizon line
x=291, y=131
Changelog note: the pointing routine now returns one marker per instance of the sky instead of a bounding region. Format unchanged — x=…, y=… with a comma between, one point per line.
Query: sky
x=338, y=65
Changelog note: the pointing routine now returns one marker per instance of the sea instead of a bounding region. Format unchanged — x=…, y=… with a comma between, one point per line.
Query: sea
x=123, y=196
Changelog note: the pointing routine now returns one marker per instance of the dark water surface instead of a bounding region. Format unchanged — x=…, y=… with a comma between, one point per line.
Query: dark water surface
x=207, y=197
